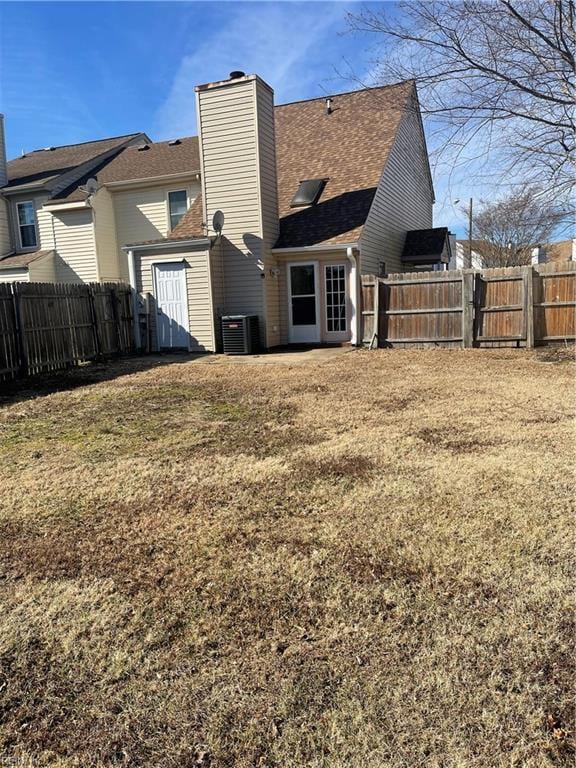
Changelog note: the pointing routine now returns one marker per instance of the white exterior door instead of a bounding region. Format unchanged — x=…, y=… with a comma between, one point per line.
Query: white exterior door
x=304, y=303
x=171, y=305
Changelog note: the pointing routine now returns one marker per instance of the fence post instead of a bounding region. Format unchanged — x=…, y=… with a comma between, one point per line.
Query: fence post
x=468, y=308
x=20, y=332
x=528, y=308
x=114, y=302
x=94, y=316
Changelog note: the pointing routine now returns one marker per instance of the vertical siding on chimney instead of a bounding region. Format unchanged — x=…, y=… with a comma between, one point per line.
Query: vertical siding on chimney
x=269, y=203
x=3, y=167
x=239, y=178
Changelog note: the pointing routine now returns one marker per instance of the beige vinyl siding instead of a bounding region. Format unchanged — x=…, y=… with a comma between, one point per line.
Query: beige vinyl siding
x=141, y=213
x=75, y=246
x=14, y=276
x=238, y=176
x=200, y=315
x=5, y=235
x=269, y=207
x=107, y=251
x=43, y=270
x=323, y=258
x=403, y=200
x=45, y=228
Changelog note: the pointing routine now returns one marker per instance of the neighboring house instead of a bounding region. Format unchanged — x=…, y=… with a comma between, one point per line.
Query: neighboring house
x=314, y=194
x=460, y=250
x=564, y=250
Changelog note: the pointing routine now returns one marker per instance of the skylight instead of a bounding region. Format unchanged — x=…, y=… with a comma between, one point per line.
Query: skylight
x=308, y=192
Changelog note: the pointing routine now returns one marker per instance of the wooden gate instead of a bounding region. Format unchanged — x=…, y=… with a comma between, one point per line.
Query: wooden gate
x=501, y=301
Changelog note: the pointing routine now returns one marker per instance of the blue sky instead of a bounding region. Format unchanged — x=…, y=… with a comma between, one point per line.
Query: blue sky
x=89, y=70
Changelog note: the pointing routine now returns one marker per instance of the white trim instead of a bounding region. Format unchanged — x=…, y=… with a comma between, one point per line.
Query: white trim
x=186, y=327
x=331, y=265
x=317, y=287
x=167, y=194
x=307, y=248
x=19, y=226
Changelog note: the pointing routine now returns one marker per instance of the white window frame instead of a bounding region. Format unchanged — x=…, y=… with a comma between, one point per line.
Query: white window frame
x=168, y=217
x=346, y=298
x=18, y=226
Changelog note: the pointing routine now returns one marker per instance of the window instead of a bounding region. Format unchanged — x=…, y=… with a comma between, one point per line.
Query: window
x=27, y=224
x=177, y=206
x=335, y=298
x=308, y=192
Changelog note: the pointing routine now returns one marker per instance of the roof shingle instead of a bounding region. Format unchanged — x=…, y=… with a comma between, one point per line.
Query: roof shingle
x=349, y=146
x=42, y=164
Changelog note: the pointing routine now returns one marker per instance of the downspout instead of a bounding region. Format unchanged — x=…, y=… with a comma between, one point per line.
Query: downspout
x=355, y=295
x=135, y=302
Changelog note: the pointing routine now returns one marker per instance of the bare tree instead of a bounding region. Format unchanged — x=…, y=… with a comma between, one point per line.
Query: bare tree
x=506, y=231
x=496, y=75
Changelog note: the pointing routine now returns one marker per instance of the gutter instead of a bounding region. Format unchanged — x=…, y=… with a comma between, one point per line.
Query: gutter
x=151, y=179
x=55, y=207
x=170, y=244
x=312, y=248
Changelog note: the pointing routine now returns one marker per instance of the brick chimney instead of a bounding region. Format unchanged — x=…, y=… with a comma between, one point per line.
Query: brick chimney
x=238, y=158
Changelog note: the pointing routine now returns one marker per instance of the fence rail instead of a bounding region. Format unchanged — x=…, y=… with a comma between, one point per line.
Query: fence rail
x=512, y=306
x=48, y=327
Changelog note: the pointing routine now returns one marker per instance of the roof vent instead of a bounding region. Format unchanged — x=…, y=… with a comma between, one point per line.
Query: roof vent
x=174, y=143
x=329, y=109
x=48, y=149
x=143, y=147
x=236, y=73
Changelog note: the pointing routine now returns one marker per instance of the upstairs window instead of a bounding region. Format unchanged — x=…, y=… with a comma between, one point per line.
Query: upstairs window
x=27, y=224
x=308, y=192
x=177, y=206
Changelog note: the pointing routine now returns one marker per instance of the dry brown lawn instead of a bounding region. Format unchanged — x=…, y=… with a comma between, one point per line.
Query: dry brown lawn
x=364, y=563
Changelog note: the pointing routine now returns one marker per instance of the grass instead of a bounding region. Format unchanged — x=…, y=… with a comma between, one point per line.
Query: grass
x=365, y=562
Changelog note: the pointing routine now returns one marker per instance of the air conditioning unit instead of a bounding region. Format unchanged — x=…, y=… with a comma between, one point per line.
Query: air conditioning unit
x=240, y=334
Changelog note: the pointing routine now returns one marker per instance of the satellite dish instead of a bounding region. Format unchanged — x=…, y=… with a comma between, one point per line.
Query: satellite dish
x=218, y=222
x=91, y=187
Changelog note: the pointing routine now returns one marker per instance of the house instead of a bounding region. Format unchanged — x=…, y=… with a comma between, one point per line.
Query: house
x=313, y=194
x=460, y=250
x=564, y=250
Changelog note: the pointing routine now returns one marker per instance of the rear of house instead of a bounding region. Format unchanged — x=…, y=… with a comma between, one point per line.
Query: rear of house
x=313, y=194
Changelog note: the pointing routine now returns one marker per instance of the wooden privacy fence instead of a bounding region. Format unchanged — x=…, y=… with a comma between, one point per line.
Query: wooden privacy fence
x=47, y=326
x=512, y=306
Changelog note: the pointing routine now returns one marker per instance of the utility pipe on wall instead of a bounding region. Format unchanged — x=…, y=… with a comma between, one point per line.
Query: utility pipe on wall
x=135, y=303
x=355, y=295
